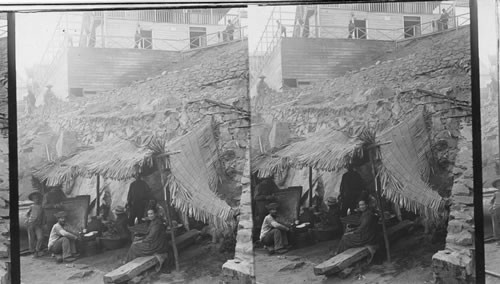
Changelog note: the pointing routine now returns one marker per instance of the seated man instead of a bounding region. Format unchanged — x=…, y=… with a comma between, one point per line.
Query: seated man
x=272, y=233
x=362, y=235
x=155, y=241
x=61, y=240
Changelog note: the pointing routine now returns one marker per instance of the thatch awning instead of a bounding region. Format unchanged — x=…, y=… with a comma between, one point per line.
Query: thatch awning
x=327, y=150
x=195, y=176
x=114, y=158
x=404, y=167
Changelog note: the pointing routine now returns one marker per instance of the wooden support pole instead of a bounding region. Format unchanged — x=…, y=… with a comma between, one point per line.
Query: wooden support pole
x=161, y=167
x=380, y=205
x=310, y=186
x=98, y=196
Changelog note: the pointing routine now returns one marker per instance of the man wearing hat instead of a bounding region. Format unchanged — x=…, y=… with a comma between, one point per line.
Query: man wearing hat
x=272, y=233
x=495, y=210
x=61, y=240
x=34, y=219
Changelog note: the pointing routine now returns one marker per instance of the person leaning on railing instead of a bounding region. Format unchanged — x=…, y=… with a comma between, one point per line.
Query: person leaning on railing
x=230, y=30
x=443, y=20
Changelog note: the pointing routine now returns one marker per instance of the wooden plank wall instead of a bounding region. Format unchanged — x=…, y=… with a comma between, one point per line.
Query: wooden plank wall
x=314, y=59
x=98, y=69
x=330, y=17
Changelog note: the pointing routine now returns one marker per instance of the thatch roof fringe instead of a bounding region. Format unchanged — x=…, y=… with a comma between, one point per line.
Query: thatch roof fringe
x=404, y=163
x=114, y=159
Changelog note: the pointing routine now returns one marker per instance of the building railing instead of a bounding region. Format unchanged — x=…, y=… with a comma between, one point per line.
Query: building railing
x=398, y=8
x=178, y=45
x=272, y=36
x=3, y=30
x=199, y=17
x=412, y=31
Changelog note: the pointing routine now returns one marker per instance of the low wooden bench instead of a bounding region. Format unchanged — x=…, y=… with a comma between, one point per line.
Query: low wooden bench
x=137, y=266
x=351, y=256
x=342, y=261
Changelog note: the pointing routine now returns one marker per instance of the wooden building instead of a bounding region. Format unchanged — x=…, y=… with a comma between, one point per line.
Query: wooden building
x=97, y=51
x=324, y=45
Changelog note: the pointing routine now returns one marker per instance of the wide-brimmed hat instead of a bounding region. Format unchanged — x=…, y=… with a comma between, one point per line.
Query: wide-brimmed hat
x=30, y=197
x=331, y=200
x=119, y=210
x=60, y=214
x=272, y=206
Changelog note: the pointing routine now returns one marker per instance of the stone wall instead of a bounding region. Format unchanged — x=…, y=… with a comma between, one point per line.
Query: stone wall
x=241, y=268
x=455, y=264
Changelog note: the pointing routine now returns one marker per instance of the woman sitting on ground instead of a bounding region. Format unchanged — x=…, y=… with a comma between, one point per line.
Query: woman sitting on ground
x=365, y=234
x=155, y=241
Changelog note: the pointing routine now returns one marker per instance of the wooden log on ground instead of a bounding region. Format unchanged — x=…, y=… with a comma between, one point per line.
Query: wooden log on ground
x=353, y=255
x=137, y=266
x=131, y=269
x=186, y=239
x=397, y=231
x=341, y=261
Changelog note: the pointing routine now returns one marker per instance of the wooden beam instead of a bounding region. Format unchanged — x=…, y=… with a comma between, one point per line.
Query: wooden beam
x=351, y=256
x=397, y=231
x=98, y=196
x=186, y=239
x=341, y=261
x=310, y=186
x=131, y=269
x=492, y=273
x=141, y=264
x=162, y=168
x=167, y=154
x=380, y=205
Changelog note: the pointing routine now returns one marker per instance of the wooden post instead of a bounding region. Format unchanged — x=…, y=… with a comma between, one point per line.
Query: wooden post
x=310, y=186
x=161, y=168
x=98, y=196
x=379, y=201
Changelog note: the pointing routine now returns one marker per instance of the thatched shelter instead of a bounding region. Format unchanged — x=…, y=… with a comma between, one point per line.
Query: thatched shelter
x=193, y=178
x=114, y=158
x=403, y=160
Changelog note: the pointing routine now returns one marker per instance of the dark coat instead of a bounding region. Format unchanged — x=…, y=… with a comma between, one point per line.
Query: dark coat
x=156, y=241
x=365, y=234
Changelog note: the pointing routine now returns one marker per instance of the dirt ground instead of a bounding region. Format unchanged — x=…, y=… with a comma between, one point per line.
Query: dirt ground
x=411, y=263
x=199, y=263
x=492, y=261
